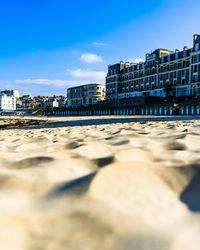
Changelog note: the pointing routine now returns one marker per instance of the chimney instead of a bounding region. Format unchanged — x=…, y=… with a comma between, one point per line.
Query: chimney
x=127, y=64
x=194, y=38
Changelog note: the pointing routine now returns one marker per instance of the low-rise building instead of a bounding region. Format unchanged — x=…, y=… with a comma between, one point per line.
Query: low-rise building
x=63, y=102
x=51, y=102
x=85, y=95
x=25, y=102
x=29, y=102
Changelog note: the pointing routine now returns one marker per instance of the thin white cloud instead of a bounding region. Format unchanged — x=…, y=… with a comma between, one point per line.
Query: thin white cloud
x=91, y=58
x=136, y=60
x=99, y=44
x=88, y=74
x=48, y=82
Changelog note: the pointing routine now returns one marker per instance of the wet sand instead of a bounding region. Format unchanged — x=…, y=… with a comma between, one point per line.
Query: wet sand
x=19, y=122
x=117, y=185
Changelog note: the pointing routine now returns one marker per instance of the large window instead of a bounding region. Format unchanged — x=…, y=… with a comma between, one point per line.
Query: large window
x=195, y=58
x=196, y=46
x=195, y=68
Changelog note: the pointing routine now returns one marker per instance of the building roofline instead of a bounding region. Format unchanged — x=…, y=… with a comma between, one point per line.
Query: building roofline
x=89, y=84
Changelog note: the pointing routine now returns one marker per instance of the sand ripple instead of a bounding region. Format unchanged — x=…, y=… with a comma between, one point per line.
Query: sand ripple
x=113, y=187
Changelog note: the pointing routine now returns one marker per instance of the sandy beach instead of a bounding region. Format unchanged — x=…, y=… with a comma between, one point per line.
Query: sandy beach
x=99, y=184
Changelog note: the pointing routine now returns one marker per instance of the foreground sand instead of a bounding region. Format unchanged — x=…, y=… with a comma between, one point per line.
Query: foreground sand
x=114, y=187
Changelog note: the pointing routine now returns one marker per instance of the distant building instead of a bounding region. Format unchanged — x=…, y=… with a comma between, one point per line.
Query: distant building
x=63, y=102
x=12, y=92
x=25, y=102
x=37, y=101
x=85, y=95
x=27, y=97
x=7, y=102
x=29, y=102
x=162, y=73
x=51, y=102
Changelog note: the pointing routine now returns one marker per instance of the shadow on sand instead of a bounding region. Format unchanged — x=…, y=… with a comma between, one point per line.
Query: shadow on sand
x=75, y=187
x=113, y=120
x=191, y=195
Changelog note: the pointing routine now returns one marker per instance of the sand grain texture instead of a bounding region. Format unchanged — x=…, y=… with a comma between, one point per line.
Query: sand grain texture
x=119, y=186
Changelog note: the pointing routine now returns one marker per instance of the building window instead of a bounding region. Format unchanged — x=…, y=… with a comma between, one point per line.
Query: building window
x=168, y=67
x=195, y=59
x=175, y=74
x=196, y=46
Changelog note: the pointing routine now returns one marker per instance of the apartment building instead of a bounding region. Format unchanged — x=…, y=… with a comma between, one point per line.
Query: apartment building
x=12, y=92
x=164, y=72
x=85, y=95
x=7, y=102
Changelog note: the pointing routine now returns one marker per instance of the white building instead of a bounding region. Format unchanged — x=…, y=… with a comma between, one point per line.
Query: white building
x=7, y=102
x=13, y=92
x=51, y=103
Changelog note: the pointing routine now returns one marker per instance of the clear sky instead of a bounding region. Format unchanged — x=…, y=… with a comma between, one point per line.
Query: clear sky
x=49, y=45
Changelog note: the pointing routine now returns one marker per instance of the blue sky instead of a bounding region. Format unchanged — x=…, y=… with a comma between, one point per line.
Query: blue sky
x=49, y=45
